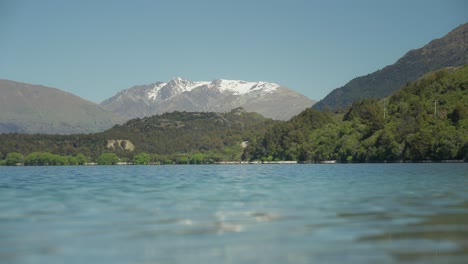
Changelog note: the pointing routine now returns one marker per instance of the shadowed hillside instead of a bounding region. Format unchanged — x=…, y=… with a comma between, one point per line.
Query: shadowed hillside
x=451, y=50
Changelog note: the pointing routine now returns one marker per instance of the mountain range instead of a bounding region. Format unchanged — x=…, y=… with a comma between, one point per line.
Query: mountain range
x=28, y=108
x=268, y=99
x=405, y=126
x=448, y=51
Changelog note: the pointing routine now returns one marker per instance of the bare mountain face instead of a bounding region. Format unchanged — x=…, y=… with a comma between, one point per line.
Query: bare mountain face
x=268, y=99
x=449, y=51
x=27, y=108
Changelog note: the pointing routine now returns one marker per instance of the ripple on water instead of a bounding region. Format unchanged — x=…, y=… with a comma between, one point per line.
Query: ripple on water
x=360, y=213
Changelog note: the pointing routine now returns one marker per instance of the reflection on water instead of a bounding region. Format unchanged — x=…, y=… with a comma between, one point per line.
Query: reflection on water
x=374, y=213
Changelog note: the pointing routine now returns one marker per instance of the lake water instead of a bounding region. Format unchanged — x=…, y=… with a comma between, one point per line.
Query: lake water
x=356, y=213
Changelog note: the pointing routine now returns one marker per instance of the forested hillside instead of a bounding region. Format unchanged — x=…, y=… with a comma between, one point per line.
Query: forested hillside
x=176, y=136
x=183, y=132
x=426, y=120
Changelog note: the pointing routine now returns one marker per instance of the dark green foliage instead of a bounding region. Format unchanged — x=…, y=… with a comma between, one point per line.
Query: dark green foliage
x=368, y=112
x=48, y=159
x=13, y=159
x=142, y=159
x=107, y=159
x=192, y=134
x=72, y=160
x=286, y=141
x=42, y=159
x=81, y=159
x=427, y=120
x=201, y=137
x=91, y=145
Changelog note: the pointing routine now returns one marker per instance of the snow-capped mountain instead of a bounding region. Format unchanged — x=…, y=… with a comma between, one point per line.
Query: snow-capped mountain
x=269, y=99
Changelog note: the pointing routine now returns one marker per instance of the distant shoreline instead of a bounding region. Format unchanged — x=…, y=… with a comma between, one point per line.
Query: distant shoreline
x=251, y=163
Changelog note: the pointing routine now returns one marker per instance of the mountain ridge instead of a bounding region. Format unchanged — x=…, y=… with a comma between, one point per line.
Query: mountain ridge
x=269, y=99
x=447, y=51
x=31, y=108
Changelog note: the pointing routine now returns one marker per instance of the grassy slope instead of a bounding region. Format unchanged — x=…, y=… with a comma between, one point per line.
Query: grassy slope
x=29, y=108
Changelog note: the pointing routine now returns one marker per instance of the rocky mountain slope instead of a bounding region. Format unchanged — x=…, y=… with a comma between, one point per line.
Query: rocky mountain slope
x=450, y=50
x=27, y=108
x=269, y=99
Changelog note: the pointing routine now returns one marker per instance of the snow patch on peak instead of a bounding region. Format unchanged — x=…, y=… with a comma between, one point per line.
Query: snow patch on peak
x=242, y=87
x=185, y=85
x=178, y=81
x=179, y=85
x=153, y=93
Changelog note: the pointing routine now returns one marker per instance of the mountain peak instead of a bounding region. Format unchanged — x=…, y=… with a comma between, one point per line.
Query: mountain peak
x=179, y=94
x=179, y=80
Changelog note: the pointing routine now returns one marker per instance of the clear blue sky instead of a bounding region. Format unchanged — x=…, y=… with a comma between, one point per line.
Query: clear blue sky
x=96, y=48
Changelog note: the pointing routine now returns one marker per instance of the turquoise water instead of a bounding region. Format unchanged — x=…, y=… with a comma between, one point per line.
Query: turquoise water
x=357, y=213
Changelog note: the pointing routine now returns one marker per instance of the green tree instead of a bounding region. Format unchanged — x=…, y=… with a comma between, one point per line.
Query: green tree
x=160, y=159
x=108, y=159
x=72, y=160
x=14, y=158
x=368, y=111
x=32, y=159
x=142, y=159
x=182, y=159
x=81, y=159
x=57, y=160
x=45, y=158
x=197, y=158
